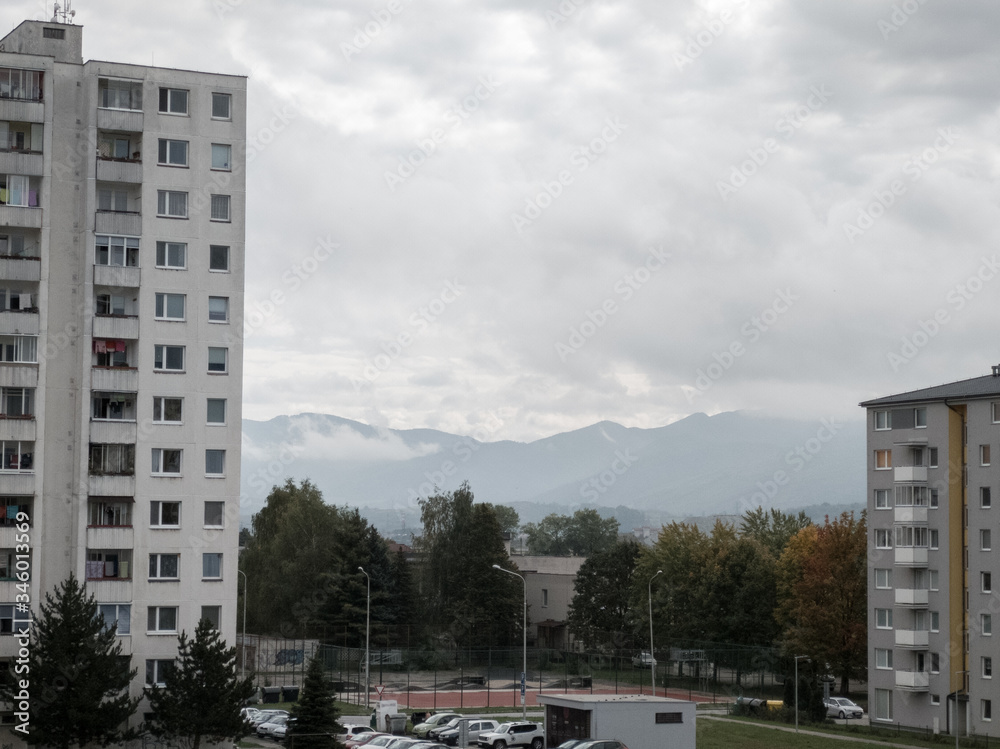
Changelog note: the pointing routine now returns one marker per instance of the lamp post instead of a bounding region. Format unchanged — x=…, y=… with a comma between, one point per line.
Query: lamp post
x=652, y=660
x=368, y=632
x=243, y=674
x=797, y=659
x=524, y=631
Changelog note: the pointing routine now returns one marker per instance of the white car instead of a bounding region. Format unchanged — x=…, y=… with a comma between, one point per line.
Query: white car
x=645, y=658
x=841, y=707
x=521, y=733
x=272, y=726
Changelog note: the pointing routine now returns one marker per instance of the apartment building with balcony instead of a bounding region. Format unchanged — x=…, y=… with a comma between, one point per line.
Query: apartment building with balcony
x=122, y=197
x=933, y=463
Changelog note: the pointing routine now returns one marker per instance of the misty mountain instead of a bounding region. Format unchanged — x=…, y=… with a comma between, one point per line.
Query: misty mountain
x=701, y=465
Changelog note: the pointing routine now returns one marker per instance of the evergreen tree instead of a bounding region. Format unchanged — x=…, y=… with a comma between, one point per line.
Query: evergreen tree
x=315, y=712
x=79, y=676
x=201, y=695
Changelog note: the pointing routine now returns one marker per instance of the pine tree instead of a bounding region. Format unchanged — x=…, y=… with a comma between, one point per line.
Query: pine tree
x=202, y=694
x=315, y=712
x=79, y=677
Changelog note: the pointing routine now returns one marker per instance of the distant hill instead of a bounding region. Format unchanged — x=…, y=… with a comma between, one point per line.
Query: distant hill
x=701, y=465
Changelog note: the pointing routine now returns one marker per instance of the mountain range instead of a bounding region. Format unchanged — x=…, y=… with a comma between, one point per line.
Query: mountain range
x=698, y=466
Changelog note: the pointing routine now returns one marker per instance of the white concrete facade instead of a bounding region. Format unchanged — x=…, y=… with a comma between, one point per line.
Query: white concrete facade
x=638, y=721
x=121, y=320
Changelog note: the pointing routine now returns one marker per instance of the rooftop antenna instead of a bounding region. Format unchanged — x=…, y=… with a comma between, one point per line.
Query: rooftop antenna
x=63, y=14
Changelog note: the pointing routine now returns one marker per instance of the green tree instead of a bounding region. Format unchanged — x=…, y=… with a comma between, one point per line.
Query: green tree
x=600, y=613
x=682, y=552
x=202, y=692
x=582, y=534
x=315, y=712
x=508, y=518
x=79, y=676
x=772, y=528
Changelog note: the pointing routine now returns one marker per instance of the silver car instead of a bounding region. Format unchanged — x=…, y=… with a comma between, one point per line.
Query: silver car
x=841, y=707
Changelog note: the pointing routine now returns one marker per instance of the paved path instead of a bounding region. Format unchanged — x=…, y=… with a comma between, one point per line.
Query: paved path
x=870, y=742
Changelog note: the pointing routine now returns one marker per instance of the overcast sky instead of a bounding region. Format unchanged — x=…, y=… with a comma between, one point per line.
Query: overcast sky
x=525, y=217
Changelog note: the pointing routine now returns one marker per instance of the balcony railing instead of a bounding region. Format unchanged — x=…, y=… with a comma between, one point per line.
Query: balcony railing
x=911, y=556
x=910, y=514
x=910, y=473
x=911, y=597
x=912, y=638
x=913, y=681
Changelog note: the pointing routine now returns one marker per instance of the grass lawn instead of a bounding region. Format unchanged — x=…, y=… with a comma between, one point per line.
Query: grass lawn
x=714, y=734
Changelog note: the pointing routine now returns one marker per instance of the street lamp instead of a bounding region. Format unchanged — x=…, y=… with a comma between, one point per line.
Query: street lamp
x=524, y=630
x=797, y=659
x=245, y=583
x=652, y=660
x=368, y=632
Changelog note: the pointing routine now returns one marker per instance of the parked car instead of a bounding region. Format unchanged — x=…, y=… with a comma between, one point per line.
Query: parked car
x=249, y=713
x=521, y=733
x=351, y=731
x=601, y=744
x=380, y=741
x=360, y=739
x=841, y=707
x=434, y=721
x=645, y=658
x=572, y=743
x=477, y=727
x=268, y=728
x=263, y=716
x=435, y=733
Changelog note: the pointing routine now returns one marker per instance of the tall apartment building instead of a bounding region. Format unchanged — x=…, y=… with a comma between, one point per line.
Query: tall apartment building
x=931, y=597
x=122, y=198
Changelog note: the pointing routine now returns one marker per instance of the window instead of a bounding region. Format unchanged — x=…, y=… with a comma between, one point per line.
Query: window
x=110, y=513
x=218, y=257
x=883, y=579
x=986, y=582
x=20, y=84
x=15, y=190
x=984, y=539
x=120, y=251
x=883, y=538
x=883, y=704
x=109, y=564
x=986, y=667
x=932, y=579
x=883, y=420
x=113, y=200
x=545, y=597
x=211, y=566
x=933, y=499
x=112, y=459
x=119, y=94
x=933, y=538
x=162, y=619
x=216, y=411
x=167, y=410
x=168, y=358
x=11, y=506
x=996, y=413
x=920, y=418
x=116, y=147
x=12, y=245
x=171, y=204
x=882, y=499
x=220, y=208
x=213, y=614
x=214, y=514
x=218, y=309
x=164, y=514
x=932, y=457
x=984, y=455
x=172, y=152
x=170, y=306
x=221, y=106
x=156, y=672
x=163, y=567
x=986, y=706
x=17, y=403
x=935, y=663
x=986, y=625
x=911, y=496
x=215, y=462
x=171, y=255
x=8, y=563
x=883, y=618
x=910, y=535
x=221, y=156
x=173, y=101
x=935, y=623
x=117, y=614
x=935, y=699
x=166, y=461
x=109, y=304
x=883, y=658
x=883, y=460
x=11, y=621
x=218, y=359
x=112, y=406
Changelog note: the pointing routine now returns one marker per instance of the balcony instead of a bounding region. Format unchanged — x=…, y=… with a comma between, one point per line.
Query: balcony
x=913, y=681
x=911, y=556
x=910, y=514
x=116, y=326
x=22, y=429
x=117, y=276
x=127, y=223
x=22, y=110
x=17, y=483
x=20, y=217
x=119, y=170
x=912, y=598
x=20, y=268
x=112, y=431
x=18, y=375
x=111, y=486
x=912, y=638
x=109, y=538
x=124, y=120
x=22, y=162
x=112, y=569
x=910, y=473
x=18, y=323
x=121, y=379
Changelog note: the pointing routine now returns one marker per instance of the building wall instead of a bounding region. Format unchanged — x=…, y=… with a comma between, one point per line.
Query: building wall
x=632, y=719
